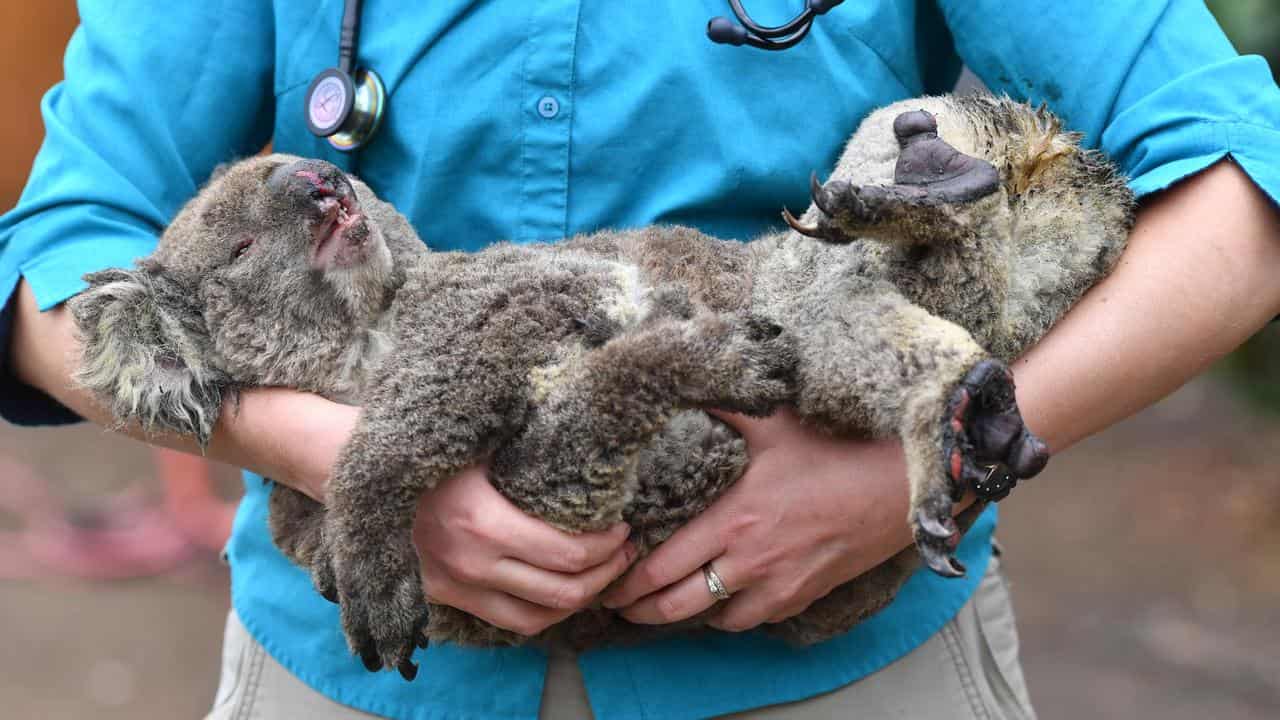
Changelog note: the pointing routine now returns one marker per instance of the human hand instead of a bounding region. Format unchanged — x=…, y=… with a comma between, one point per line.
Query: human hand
x=810, y=513
x=484, y=556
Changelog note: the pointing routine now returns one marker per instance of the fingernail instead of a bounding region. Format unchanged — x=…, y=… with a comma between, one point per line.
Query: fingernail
x=630, y=549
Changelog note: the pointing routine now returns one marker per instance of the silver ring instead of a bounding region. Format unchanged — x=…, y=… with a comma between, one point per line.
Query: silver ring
x=714, y=583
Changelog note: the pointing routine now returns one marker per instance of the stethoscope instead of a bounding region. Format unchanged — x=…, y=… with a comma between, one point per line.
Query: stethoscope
x=345, y=103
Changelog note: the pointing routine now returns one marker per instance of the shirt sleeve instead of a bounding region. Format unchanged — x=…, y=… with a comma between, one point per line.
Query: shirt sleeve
x=154, y=97
x=1156, y=85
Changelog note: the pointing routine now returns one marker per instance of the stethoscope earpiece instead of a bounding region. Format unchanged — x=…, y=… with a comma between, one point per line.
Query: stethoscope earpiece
x=345, y=104
x=747, y=32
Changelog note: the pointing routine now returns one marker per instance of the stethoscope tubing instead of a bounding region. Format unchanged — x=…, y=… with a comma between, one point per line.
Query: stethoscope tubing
x=361, y=99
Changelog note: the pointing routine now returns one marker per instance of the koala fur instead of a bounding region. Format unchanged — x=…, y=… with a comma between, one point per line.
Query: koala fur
x=952, y=234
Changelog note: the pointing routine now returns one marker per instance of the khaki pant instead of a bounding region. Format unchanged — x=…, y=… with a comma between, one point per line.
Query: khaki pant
x=969, y=670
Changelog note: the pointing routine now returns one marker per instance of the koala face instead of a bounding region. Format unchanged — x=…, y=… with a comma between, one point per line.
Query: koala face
x=279, y=221
x=284, y=262
x=277, y=273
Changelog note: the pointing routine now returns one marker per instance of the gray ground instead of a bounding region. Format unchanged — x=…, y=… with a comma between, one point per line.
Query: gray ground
x=1145, y=563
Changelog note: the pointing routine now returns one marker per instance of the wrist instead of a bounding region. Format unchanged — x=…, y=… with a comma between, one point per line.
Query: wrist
x=285, y=435
x=42, y=346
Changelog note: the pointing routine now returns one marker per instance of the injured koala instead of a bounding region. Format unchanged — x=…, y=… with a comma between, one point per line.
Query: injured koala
x=952, y=234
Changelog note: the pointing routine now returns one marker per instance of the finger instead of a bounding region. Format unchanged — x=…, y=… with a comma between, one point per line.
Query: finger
x=492, y=606
x=691, y=547
x=744, y=611
x=560, y=591
x=535, y=542
x=680, y=601
x=759, y=433
x=791, y=610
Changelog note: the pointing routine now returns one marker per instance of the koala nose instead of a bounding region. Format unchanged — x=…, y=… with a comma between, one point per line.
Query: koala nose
x=313, y=179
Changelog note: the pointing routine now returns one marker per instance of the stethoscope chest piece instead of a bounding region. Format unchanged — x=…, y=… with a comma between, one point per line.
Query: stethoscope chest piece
x=343, y=109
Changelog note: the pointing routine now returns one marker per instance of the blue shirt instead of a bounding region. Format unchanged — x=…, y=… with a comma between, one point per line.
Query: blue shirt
x=536, y=120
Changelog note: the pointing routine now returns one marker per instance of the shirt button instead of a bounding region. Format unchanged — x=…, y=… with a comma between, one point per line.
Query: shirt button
x=548, y=107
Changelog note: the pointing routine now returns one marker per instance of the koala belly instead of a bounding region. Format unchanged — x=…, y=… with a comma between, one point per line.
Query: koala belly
x=678, y=466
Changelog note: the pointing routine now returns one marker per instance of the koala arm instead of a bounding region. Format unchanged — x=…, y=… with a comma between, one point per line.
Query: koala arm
x=290, y=436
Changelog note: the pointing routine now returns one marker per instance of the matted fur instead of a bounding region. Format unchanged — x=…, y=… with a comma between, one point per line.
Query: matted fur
x=579, y=366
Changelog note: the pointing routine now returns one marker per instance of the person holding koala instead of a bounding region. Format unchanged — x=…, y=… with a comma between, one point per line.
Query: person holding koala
x=488, y=140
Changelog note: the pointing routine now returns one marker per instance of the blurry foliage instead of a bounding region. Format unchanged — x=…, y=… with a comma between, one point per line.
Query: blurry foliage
x=1255, y=368
x=1254, y=28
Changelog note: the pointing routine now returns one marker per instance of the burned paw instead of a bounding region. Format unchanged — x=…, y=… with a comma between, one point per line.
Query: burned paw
x=986, y=447
x=929, y=162
x=986, y=444
x=929, y=173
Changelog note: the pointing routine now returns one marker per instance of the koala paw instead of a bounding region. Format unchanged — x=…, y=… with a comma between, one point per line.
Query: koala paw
x=752, y=364
x=384, y=613
x=985, y=446
x=929, y=173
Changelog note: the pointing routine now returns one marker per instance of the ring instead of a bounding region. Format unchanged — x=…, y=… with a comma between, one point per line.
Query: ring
x=714, y=583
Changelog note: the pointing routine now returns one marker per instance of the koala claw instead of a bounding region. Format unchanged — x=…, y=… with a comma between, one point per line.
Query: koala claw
x=826, y=200
x=937, y=536
x=983, y=436
x=385, y=624
x=939, y=528
x=822, y=197
x=369, y=656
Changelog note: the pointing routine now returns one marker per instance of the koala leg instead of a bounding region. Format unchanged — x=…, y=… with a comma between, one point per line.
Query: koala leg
x=937, y=191
x=297, y=528
x=685, y=469
x=405, y=444
x=874, y=361
x=574, y=462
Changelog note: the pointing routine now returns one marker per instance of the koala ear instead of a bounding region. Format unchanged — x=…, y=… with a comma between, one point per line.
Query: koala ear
x=145, y=351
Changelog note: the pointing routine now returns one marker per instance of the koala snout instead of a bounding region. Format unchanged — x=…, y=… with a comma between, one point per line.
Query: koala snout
x=313, y=180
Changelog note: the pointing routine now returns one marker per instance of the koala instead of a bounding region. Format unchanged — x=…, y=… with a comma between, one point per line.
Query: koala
x=953, y=232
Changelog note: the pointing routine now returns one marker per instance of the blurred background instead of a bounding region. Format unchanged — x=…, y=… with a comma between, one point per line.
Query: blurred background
x=1145, y=563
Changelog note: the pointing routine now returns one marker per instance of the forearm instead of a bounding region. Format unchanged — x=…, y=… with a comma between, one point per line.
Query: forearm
x=1197, y=279
x=269, y=430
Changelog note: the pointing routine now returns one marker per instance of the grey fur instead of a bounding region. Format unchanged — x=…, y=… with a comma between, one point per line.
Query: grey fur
x=580, y=365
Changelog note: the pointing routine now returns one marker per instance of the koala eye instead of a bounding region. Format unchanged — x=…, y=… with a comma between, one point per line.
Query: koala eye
x=241, y=248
